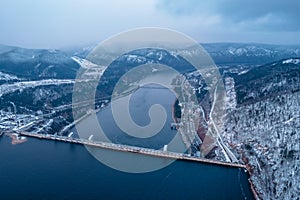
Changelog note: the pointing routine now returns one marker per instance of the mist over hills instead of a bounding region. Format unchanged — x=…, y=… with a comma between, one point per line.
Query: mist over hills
x=44, y=63
x=36, y=64
x=248, y=53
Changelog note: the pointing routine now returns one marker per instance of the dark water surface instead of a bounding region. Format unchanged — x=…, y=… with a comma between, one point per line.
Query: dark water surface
x=40, y=169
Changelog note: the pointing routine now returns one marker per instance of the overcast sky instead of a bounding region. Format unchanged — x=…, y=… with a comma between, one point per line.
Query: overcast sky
x=61, y=23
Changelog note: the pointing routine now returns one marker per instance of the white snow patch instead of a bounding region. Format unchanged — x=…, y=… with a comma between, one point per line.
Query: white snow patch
x=230, y=93
x=243, y=72
x=83, y=62
x=8, y=88
x=293, y=61
x=7, y=77
x=135, y=58
x=154, y=70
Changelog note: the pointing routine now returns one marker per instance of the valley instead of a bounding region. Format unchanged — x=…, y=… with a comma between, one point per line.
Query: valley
x=261, y=122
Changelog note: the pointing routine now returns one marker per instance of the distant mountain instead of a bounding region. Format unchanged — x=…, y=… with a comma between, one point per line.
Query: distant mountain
x=37, y=64
x=41, y=63
x=231, y=53
x=80, y=51
x=268, y=80
x=4, y=48
x=247, y=53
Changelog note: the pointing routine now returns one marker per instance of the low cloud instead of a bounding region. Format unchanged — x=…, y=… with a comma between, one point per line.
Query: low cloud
x=254, y=15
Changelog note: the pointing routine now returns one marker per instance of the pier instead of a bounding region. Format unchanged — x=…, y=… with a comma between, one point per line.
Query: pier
x=131, y=149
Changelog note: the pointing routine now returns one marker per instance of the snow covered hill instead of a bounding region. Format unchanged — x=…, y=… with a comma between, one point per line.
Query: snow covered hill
x=264, y=127
x=231, y=53
x=37, y=64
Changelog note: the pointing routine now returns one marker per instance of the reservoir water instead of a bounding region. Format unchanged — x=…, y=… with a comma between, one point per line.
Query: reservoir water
x=40, y=169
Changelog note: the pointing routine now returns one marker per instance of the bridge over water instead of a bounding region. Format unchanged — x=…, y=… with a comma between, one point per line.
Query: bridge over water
x=131, y=149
